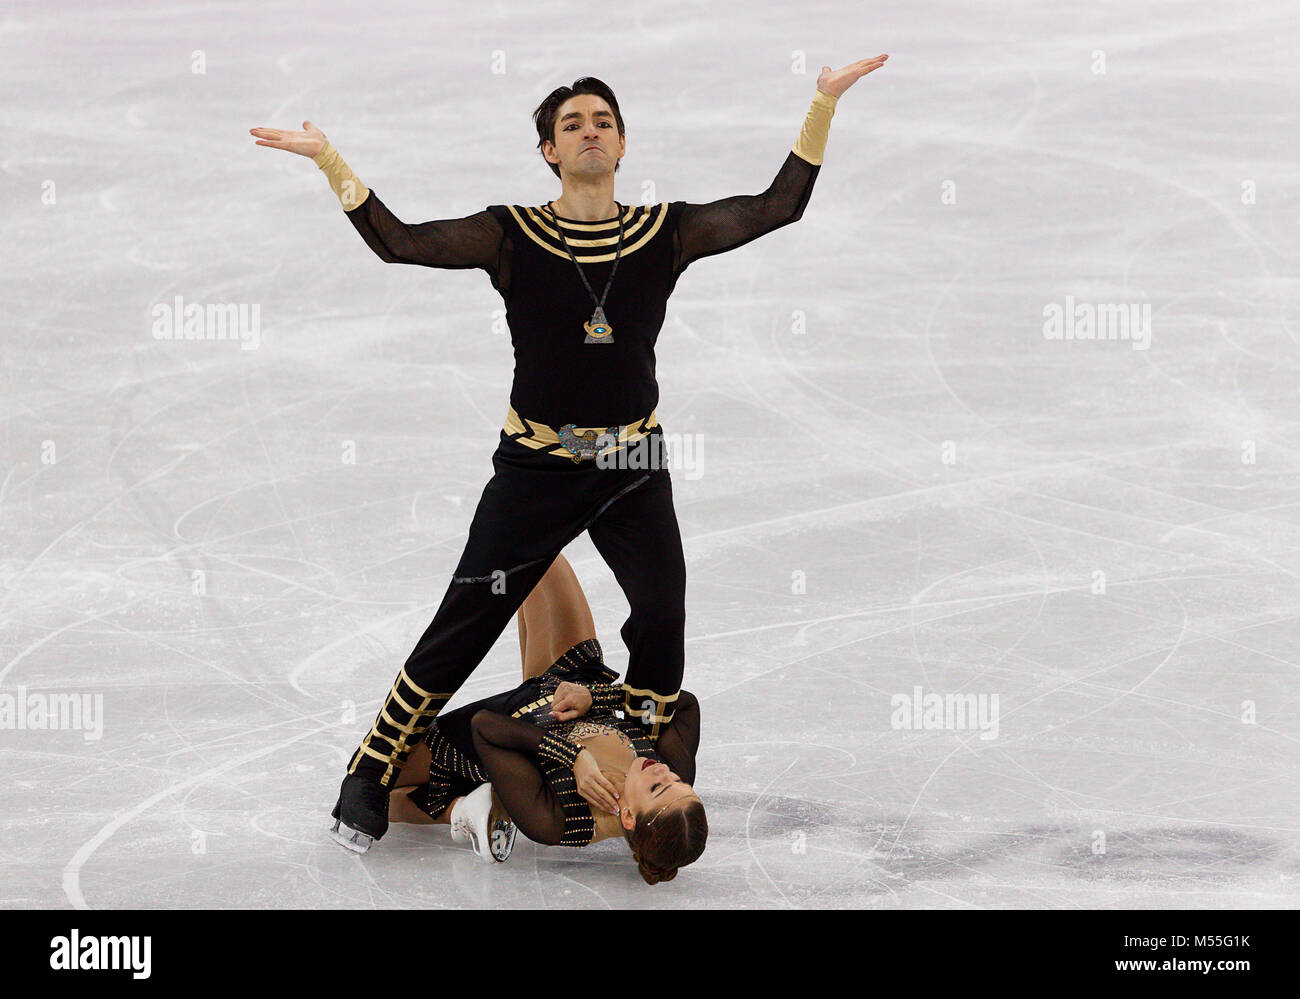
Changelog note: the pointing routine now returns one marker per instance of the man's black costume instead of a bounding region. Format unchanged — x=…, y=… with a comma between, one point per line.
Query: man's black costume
x=581, y=446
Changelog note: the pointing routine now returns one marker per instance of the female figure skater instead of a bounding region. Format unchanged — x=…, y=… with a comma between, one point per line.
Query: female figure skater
x=552, y=758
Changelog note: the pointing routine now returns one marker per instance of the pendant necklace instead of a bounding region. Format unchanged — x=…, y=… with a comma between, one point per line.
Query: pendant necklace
x=598, y=328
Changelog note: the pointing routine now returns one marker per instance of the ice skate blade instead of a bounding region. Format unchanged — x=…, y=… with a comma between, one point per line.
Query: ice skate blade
x=349, y=838
x=503, y=841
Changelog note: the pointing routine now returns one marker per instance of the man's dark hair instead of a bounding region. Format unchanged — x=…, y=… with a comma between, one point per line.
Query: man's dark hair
x=546, y=113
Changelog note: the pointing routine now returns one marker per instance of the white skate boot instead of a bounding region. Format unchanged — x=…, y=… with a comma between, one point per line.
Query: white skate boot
x=480, y=820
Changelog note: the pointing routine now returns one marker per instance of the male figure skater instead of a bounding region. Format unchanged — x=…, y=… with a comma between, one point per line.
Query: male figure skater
x=586, y=282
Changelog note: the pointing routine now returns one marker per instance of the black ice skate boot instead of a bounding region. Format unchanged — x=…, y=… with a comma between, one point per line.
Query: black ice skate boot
x=361, y=814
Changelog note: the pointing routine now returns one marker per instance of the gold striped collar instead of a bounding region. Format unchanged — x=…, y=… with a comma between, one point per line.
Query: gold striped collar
x=591, y=242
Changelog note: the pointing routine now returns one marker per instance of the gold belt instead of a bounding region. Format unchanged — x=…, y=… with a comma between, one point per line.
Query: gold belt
x=576, y=443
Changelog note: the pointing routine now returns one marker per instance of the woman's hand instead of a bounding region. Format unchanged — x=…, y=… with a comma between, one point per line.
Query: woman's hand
x=572, y=700
x=305, y=143
x=594, y=785
x=836, y=81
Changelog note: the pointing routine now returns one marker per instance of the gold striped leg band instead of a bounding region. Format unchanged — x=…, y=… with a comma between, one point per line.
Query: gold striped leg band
x=405, y=716
x=650, y=709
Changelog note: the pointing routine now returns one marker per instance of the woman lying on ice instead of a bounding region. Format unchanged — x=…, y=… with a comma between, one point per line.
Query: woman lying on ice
x=553, y=756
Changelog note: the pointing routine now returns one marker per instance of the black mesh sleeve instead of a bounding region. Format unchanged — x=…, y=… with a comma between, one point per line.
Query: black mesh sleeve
x=703, y=230
x=679, y=739
x=472, y=241
x=507, y=748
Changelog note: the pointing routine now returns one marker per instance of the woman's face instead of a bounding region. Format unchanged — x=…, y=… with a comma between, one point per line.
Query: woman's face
x=649, y=788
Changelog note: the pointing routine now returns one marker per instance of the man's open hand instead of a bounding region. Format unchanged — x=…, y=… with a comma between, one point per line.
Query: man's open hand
x=308, y=142
x=836, y=81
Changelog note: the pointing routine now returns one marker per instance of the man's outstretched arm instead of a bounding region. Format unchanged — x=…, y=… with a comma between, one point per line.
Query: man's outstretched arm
x=718, y=226
x=473, y=241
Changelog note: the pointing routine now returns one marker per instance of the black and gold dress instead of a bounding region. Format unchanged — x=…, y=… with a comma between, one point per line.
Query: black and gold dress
x=528, y=756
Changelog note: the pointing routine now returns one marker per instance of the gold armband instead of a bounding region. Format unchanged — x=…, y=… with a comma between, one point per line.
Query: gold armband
x=811, y=144
x=346, y=184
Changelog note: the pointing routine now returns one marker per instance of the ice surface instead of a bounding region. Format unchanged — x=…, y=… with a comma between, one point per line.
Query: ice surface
x=883, y=425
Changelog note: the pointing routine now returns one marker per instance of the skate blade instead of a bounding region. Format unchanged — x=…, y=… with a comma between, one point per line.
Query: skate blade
x=503, y=841
x=351, y=839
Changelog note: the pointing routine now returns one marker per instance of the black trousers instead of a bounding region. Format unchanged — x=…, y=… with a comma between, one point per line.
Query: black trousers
x=533, y=506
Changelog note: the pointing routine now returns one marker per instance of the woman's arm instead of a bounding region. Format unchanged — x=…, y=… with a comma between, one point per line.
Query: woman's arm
x=706, y=229
x=508, y=748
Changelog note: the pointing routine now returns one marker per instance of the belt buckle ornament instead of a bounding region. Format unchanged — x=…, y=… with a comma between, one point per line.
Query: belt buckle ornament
x=586, y=445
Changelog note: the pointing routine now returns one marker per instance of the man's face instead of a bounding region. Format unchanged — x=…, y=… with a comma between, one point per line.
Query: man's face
x=586, y=143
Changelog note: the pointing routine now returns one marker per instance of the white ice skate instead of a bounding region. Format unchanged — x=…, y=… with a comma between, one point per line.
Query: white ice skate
x=488, y=829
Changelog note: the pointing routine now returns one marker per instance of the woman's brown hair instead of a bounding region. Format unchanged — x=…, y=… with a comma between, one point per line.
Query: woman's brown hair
x=671, y=839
